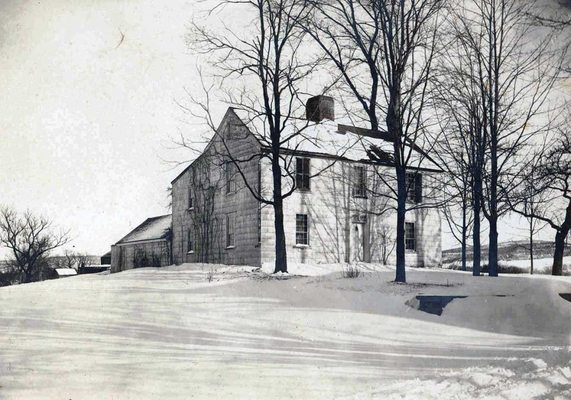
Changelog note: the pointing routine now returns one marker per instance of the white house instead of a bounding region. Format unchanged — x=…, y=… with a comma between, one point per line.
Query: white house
x=340, y=209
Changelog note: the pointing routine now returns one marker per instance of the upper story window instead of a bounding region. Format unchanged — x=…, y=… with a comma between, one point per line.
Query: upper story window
x=414, y=187
x=230, y=175
x=409, y=236
x=359, y=181
x=302, y=173
x=301, y=230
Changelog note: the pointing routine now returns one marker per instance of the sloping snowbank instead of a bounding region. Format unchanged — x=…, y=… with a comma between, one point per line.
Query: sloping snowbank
x=211, y=331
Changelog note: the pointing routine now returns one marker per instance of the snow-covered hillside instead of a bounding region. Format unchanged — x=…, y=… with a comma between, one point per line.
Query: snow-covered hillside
x=235, y=333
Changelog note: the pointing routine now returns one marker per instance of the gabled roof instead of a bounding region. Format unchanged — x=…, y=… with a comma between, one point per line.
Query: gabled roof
x=230, y=113
x=152, y=229
x=330, y=139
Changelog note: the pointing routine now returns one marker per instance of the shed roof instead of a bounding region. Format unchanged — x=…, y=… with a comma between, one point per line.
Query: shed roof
x=151, y=229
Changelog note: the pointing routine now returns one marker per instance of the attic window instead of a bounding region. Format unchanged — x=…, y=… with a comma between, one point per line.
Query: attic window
x=302, y=173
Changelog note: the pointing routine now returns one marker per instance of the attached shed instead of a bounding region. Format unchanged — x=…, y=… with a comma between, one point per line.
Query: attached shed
x=148, y=245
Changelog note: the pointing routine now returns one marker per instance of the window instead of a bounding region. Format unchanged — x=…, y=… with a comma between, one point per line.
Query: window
x=189, y=242
x=409, y=236
x=190, y=204
x=230, y=220
x=230, y=172
x=359, y=181
x=301, y=230
x=414, y=187
x=302, y=173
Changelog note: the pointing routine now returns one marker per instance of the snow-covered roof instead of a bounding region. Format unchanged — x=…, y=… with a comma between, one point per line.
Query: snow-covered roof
x=65, y=271
x=153, y=228
x=333, y=139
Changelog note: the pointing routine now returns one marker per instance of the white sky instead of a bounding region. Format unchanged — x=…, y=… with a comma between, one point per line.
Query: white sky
x=85, y=122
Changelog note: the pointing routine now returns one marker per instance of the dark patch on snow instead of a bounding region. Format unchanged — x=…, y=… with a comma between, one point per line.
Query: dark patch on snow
x=435, y=304
x=566, y=296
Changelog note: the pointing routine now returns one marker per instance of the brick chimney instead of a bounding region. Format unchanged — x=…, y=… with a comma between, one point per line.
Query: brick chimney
x=319, y=108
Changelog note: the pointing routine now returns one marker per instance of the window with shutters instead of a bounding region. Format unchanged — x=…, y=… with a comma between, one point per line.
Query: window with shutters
x=359, y=181
x=302, y=173
x=413, y=187
x=301, y=230
x=409, y=236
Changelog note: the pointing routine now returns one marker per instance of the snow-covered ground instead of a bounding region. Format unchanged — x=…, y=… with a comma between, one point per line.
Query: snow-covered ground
x=206, y=332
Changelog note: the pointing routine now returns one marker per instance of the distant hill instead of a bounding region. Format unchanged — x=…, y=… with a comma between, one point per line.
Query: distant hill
x=512, y=250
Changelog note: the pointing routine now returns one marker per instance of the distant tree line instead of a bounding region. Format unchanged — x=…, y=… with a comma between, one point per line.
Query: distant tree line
x=30, y=240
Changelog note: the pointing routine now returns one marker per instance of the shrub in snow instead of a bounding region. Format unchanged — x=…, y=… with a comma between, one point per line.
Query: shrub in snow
x=351, y=272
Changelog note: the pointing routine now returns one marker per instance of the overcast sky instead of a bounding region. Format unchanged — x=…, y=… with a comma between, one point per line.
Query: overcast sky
x=87, y=111
x=86, y=114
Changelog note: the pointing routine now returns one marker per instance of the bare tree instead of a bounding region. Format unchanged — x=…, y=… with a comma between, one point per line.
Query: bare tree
x=383, y=53
x=386, y=242
x=462, y=146
x=514, y=68
x=30, y=239
x=550, y=180
x=533, y=203
x=459, y=202
x=268, y=60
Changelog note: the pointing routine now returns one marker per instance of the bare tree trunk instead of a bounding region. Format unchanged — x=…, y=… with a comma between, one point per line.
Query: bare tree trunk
x=464, y=250
x=493, y=248
x=281, y=251
x=493, y=217
x=28, y=278
x=401, y=213
x=560, y=238
x=464, y=230
x=531, y=244
x=557, y=268
x=476, y=246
